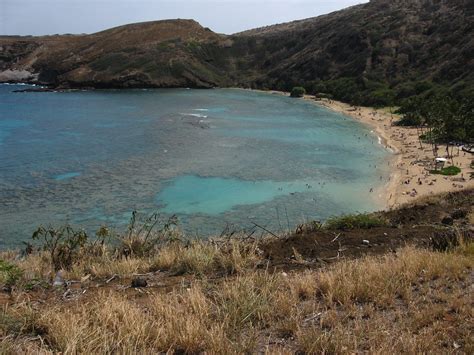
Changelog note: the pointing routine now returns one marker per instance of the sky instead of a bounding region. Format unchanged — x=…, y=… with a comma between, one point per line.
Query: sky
x=41, y=17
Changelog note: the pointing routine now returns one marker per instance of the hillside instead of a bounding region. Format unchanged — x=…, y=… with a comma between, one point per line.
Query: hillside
x=152, y=54
x=370, y=48
x=362, y=54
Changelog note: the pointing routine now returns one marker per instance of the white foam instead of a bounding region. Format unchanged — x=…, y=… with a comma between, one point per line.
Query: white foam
x=197, y=115
x=21, y=84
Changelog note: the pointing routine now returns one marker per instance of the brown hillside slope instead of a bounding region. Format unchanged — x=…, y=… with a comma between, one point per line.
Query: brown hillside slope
x=154, y=54
x=356, y=54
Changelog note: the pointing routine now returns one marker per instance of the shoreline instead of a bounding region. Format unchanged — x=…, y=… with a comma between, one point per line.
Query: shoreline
x=388, y=192
x=410, y=178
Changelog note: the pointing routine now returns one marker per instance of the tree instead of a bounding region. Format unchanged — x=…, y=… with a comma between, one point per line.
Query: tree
x=449, y=119
x=410, y=109
x=382, y=97
x=298, y=91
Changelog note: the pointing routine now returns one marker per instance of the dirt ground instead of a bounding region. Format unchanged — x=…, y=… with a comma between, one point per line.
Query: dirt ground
x=427, y=223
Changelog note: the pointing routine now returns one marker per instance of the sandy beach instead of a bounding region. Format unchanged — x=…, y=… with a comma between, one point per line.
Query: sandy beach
x=410, y=178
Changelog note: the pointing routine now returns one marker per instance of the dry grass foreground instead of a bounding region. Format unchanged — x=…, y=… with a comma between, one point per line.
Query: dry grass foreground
x=411, y=301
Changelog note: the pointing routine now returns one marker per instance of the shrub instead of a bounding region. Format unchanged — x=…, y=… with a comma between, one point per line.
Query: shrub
x=298, y=91
x=354, y=221
x=63, y=245
x=318, y=87
x=423, y=86
x=448, y=171
x=9, y=273
x=345, y=89
x=381, y=98
x=408, y=121
x=145, y=235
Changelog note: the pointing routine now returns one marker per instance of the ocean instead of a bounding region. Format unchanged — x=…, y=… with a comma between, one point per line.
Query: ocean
x=214, y=158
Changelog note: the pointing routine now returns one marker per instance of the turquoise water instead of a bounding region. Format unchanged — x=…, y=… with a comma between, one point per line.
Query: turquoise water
x=213, y=157
x=192, y=194
x=66, y=176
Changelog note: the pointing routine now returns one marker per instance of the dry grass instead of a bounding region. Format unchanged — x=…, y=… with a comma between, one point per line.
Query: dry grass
x=366, y=281
x=202, y=257
x=198, y=258
x=107, y=324
x=107, y=266
x=414, y=301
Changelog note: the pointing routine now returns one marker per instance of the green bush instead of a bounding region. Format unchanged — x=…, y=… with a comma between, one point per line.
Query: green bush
x=354, y=221
x=298, y=91
x=380, y=98
x=408, y=121
x=63, y=244
x=405, y=90
x=145, y=233
x=318, y=87
x=345, y=89
x=9, y=273
x=422, y=86
x=448, y=171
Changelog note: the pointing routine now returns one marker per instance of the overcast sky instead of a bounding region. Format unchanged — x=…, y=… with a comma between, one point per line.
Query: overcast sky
x=38, y=17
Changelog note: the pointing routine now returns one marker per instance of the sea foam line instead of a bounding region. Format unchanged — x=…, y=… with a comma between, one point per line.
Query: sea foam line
x=197, y=115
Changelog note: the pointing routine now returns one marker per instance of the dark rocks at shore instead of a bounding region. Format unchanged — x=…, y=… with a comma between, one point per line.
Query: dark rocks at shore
x=49, y=89
x=36, y=90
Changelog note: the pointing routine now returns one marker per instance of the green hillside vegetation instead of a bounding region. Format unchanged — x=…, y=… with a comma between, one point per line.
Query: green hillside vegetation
x=375, y=54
